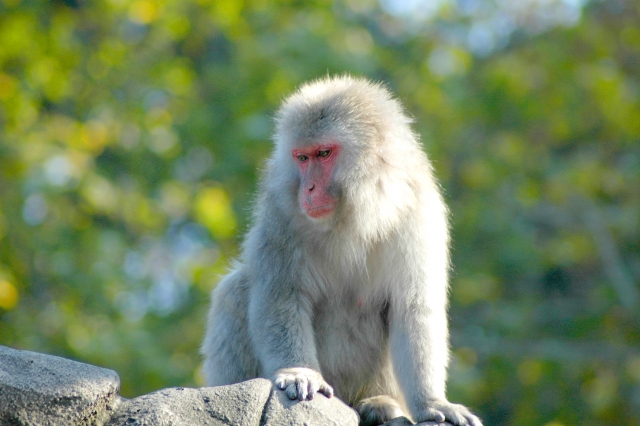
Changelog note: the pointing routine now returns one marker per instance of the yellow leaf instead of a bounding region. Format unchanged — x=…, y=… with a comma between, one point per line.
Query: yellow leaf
x=213, y=210
x=143, y=11
x=529, y=372
x=8, y=86
x=8, y=295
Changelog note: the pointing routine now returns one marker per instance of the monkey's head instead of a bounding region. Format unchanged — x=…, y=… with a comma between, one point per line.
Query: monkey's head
x=332, y=136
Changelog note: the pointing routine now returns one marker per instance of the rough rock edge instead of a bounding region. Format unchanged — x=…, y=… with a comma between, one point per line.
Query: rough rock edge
x=59, y=403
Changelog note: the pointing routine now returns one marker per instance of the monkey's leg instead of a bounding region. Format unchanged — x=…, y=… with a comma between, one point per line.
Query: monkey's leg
x=229, y=356
x=376, y=410
x=382, y=402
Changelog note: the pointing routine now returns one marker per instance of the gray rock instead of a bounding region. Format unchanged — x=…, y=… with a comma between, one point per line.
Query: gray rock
x=37, y=389
x=240, y=405
x=403, y=421
x=399, y=421
x=321, y=411
x=250, y=403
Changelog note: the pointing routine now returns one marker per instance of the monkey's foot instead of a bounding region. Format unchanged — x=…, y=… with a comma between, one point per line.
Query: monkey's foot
x=301, y=383
x=377, y=410
x=440, y=410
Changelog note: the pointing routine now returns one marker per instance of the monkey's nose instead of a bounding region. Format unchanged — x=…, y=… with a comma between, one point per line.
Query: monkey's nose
x=312, y=187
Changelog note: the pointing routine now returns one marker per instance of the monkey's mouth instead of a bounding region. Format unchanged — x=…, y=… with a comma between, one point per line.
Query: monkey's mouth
x=323, y=210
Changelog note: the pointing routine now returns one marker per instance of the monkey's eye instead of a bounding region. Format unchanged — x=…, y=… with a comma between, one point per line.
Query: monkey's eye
x=302, y=158
x=324, y=153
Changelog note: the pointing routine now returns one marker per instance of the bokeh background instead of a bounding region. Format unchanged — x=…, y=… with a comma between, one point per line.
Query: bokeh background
x=132, y=133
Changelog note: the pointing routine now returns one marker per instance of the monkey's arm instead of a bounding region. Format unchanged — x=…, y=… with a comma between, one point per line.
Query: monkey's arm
x=280, y=325
x=419, y=345
x=419, y=338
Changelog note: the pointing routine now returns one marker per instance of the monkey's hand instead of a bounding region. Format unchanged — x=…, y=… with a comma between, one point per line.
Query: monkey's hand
x=440, y=410
x=301, y=383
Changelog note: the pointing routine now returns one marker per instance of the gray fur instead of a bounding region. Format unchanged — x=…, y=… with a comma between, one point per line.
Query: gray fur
x=355, y=302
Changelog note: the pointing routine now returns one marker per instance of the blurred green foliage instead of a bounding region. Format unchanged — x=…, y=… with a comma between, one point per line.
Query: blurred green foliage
x=132, y=132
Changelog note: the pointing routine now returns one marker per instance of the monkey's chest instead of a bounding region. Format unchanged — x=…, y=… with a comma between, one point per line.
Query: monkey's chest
x=351, y=338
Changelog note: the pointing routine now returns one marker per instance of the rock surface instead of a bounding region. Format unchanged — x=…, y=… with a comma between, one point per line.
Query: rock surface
x=280, y=410
x=38, y=389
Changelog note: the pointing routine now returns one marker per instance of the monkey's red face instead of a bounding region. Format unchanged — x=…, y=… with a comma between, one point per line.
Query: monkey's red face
x=316, y=165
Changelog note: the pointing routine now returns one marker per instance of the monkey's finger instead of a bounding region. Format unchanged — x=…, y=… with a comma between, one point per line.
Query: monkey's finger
x=461, y=418
x=438, y=416
x=280, y=383
x=302, y=386
x=326, y=390
x=291, y=391
x=474, y=421
x=313, y=389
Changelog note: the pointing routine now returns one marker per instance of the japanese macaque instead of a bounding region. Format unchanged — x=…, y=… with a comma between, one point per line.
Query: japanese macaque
x=341, y=287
